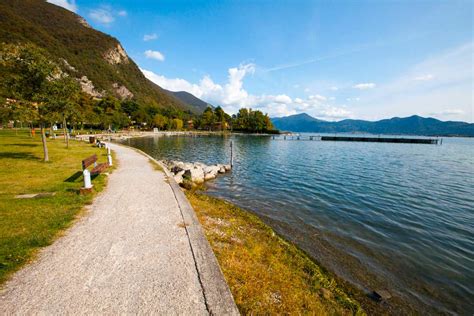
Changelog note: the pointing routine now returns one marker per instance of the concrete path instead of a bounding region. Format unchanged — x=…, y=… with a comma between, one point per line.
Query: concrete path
x=130, y=254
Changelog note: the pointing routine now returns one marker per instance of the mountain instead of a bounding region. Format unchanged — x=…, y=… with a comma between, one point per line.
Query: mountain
x=413, y=125
x=97, y=60
x=190, y=100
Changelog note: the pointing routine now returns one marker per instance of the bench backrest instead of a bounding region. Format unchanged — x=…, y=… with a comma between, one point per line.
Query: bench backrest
x=89, y=161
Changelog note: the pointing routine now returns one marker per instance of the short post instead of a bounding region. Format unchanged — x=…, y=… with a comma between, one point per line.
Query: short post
x=231, y=155
x=109, y=156
x=87, y=179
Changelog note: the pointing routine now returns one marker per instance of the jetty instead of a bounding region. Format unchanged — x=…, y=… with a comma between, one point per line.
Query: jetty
x=368, y=138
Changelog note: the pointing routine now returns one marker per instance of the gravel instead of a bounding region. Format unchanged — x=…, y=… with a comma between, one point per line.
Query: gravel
x=129, y=254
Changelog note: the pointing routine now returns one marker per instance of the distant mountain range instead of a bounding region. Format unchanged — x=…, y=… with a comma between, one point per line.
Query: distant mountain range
x=195, y=104
x=413, y=125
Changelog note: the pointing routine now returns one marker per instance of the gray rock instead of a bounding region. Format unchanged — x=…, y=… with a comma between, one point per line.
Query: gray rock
x=197, y=175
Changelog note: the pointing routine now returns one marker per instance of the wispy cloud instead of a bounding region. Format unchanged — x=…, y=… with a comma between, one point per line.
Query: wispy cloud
x=106, y=14
x=424, y=77
x=102, y=16
x=66, y=4
x=150, y=37
x=154, y=54
x=364, y=86
x=449, y=88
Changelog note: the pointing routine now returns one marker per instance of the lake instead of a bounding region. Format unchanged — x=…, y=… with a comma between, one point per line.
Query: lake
x=380, y=215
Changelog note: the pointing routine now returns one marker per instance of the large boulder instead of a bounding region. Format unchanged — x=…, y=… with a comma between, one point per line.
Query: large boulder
x=211, y=170
x=209, y=176
x=227, y=167
x=196, y=175
x=178, y=177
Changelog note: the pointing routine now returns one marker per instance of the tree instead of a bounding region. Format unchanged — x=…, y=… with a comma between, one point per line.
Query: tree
x=208, y=118
x=177, y=124
x=160, y=121
x=62, y=98
x=27, y=72
x=220, y=116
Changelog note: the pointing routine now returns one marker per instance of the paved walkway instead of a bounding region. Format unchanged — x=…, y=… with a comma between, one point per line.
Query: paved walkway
x=129, y=254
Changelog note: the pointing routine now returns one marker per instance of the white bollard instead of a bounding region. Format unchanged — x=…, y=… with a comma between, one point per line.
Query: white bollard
x=87, y=179
x=109, y=157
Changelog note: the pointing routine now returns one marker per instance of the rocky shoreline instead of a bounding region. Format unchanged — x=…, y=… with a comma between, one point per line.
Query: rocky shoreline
x=194, y=173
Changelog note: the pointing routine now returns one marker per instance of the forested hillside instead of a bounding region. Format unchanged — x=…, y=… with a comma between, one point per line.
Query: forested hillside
x=96, y=59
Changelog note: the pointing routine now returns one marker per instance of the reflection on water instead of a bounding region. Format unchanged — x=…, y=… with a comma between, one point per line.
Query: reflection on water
x=399, y=216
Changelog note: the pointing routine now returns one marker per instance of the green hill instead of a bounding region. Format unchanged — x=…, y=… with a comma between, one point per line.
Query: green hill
x=189, y=99
x=96, y=59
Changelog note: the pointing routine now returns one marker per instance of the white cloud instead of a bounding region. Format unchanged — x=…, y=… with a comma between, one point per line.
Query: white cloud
x=448, y=112
x=66, y=4
x=231, y=95
x=334, y=88
x=317, y=97
x=150, y=37
x=154, y=54
x=105, y=14
x=334, y=113
x=283, y=98
x=102, y=15
x=364, y=86
x=353, y=99
x=424, y=77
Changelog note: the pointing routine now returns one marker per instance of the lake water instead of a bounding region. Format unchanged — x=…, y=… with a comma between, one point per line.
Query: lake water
x=380, y=215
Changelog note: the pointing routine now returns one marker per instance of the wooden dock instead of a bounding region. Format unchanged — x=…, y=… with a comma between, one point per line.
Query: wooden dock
x=370, y=139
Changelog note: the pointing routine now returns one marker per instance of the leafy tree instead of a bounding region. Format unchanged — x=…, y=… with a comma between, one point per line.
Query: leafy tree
x=177, y=124
x=129, y=107
x=208, y=118
x=220, y=116
x=28, y=73
x=160, y=121
x=62, y=98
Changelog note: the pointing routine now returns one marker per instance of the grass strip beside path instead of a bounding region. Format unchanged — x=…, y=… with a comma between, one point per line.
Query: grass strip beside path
x=266, y=274
x=28, y=224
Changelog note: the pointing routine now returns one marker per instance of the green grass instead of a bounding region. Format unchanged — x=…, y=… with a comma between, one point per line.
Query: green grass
x=28, y=224
x=266, y=274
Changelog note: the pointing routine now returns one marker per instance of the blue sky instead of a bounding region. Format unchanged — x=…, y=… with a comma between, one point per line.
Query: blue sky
x=331, y=59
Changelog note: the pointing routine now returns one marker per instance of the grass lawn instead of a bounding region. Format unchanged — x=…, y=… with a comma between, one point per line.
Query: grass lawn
x=266, y=274
x=28, y=224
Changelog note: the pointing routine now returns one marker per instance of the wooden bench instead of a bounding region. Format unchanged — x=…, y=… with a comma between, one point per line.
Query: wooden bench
x=92, y=160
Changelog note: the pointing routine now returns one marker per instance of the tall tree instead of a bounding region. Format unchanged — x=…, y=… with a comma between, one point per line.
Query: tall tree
x=208, y=118
x=62, y=98
x=27, y=71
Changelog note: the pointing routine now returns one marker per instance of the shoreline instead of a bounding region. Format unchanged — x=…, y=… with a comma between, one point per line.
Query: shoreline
x=349, y=294
x=329, y=286
x=337, y=261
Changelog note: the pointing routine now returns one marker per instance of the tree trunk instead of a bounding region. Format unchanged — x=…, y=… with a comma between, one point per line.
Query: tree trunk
x=45, y=146
x=66, y=138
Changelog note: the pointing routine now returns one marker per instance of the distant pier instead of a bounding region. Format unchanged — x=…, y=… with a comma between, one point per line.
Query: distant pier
x=370, y=139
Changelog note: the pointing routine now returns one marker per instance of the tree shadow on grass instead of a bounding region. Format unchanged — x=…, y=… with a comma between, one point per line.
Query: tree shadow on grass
x=23, y=145
x=18, y=155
